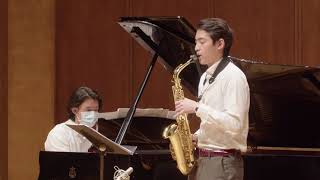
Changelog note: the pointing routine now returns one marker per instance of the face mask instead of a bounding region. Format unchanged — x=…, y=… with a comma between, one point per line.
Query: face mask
x=89, y=118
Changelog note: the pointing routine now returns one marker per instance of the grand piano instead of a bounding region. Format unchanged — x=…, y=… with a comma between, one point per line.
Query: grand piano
x=283, y=141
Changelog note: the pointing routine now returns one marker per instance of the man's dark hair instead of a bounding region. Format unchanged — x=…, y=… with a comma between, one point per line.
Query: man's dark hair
x=79, y=96
x=218, y=28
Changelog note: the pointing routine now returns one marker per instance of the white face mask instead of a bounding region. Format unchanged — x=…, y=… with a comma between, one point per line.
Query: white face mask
x=89, y=118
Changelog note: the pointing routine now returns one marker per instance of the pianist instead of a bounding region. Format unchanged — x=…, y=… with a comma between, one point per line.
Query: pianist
x=223, y=106
x=83, y=106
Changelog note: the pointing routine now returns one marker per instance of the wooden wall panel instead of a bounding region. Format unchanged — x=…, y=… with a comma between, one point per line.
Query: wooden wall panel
x=264, y=30
x=310, y=32
x=4, y=89
x=30, y=84
x=92, y=50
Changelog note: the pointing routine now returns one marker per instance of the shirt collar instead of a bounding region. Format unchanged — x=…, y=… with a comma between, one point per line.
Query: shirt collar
x=212, y=68
x=71, y=122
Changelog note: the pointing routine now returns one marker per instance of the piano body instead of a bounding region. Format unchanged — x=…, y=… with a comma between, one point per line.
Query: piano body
x=283, y=140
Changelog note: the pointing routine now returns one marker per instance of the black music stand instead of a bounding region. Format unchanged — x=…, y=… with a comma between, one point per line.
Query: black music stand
x=103, y=144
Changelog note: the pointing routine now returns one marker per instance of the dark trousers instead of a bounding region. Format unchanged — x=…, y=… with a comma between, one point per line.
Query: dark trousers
x=218, y=168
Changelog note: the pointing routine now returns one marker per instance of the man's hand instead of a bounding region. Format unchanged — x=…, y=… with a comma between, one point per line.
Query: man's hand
x=186, y=105
x=195, y=139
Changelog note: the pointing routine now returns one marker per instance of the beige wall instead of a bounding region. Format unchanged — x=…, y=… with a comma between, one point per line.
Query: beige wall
x=30, y=85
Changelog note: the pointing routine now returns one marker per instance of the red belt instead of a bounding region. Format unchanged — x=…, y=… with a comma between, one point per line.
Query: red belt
x=214, y=153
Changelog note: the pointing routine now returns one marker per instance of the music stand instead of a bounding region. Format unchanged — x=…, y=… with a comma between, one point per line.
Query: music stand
x=103, y=144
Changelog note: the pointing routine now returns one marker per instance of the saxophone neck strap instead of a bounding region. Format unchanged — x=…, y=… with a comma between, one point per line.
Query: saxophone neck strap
x=222, y=64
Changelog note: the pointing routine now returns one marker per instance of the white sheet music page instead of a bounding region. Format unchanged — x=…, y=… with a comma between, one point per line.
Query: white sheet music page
x=149, y=112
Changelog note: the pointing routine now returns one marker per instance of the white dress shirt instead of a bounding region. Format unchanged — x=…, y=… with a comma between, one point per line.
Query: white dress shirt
x=63, y=138
x=224, y=109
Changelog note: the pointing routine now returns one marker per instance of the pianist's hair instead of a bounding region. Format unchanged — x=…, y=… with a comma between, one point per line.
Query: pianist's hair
x=79, y=96
x=218, y=28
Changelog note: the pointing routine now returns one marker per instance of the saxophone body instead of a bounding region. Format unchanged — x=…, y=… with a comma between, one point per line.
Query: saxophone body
x=179, y=134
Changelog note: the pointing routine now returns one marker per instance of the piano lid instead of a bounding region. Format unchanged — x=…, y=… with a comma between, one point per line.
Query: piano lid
x=285, y=99
x=284, y=106
x=172, y=38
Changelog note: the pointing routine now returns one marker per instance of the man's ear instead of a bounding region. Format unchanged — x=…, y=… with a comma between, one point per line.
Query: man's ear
x=221, y=43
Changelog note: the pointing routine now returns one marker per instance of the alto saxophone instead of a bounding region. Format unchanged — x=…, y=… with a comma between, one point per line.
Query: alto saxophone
x=179, y=134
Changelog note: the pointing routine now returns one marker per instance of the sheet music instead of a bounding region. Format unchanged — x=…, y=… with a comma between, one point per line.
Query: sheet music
x=100, y=141
x=149, y=112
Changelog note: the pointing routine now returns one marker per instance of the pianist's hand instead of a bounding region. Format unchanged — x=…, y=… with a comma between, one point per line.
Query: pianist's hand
x=186, y=105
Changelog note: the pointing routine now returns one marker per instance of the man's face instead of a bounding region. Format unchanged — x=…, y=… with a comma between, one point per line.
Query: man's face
x=87, y=105
x=207, y=51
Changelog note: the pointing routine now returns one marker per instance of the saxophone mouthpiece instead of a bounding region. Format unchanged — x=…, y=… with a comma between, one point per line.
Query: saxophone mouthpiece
x=194, y=57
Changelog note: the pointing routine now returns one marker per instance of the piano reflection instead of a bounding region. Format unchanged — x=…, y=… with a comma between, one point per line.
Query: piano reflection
x=283, y=137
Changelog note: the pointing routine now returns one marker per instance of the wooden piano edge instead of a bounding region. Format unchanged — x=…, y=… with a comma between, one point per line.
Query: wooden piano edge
x=289, y=151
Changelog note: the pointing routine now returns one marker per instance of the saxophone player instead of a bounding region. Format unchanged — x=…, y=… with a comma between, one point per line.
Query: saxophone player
x=223, y=106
